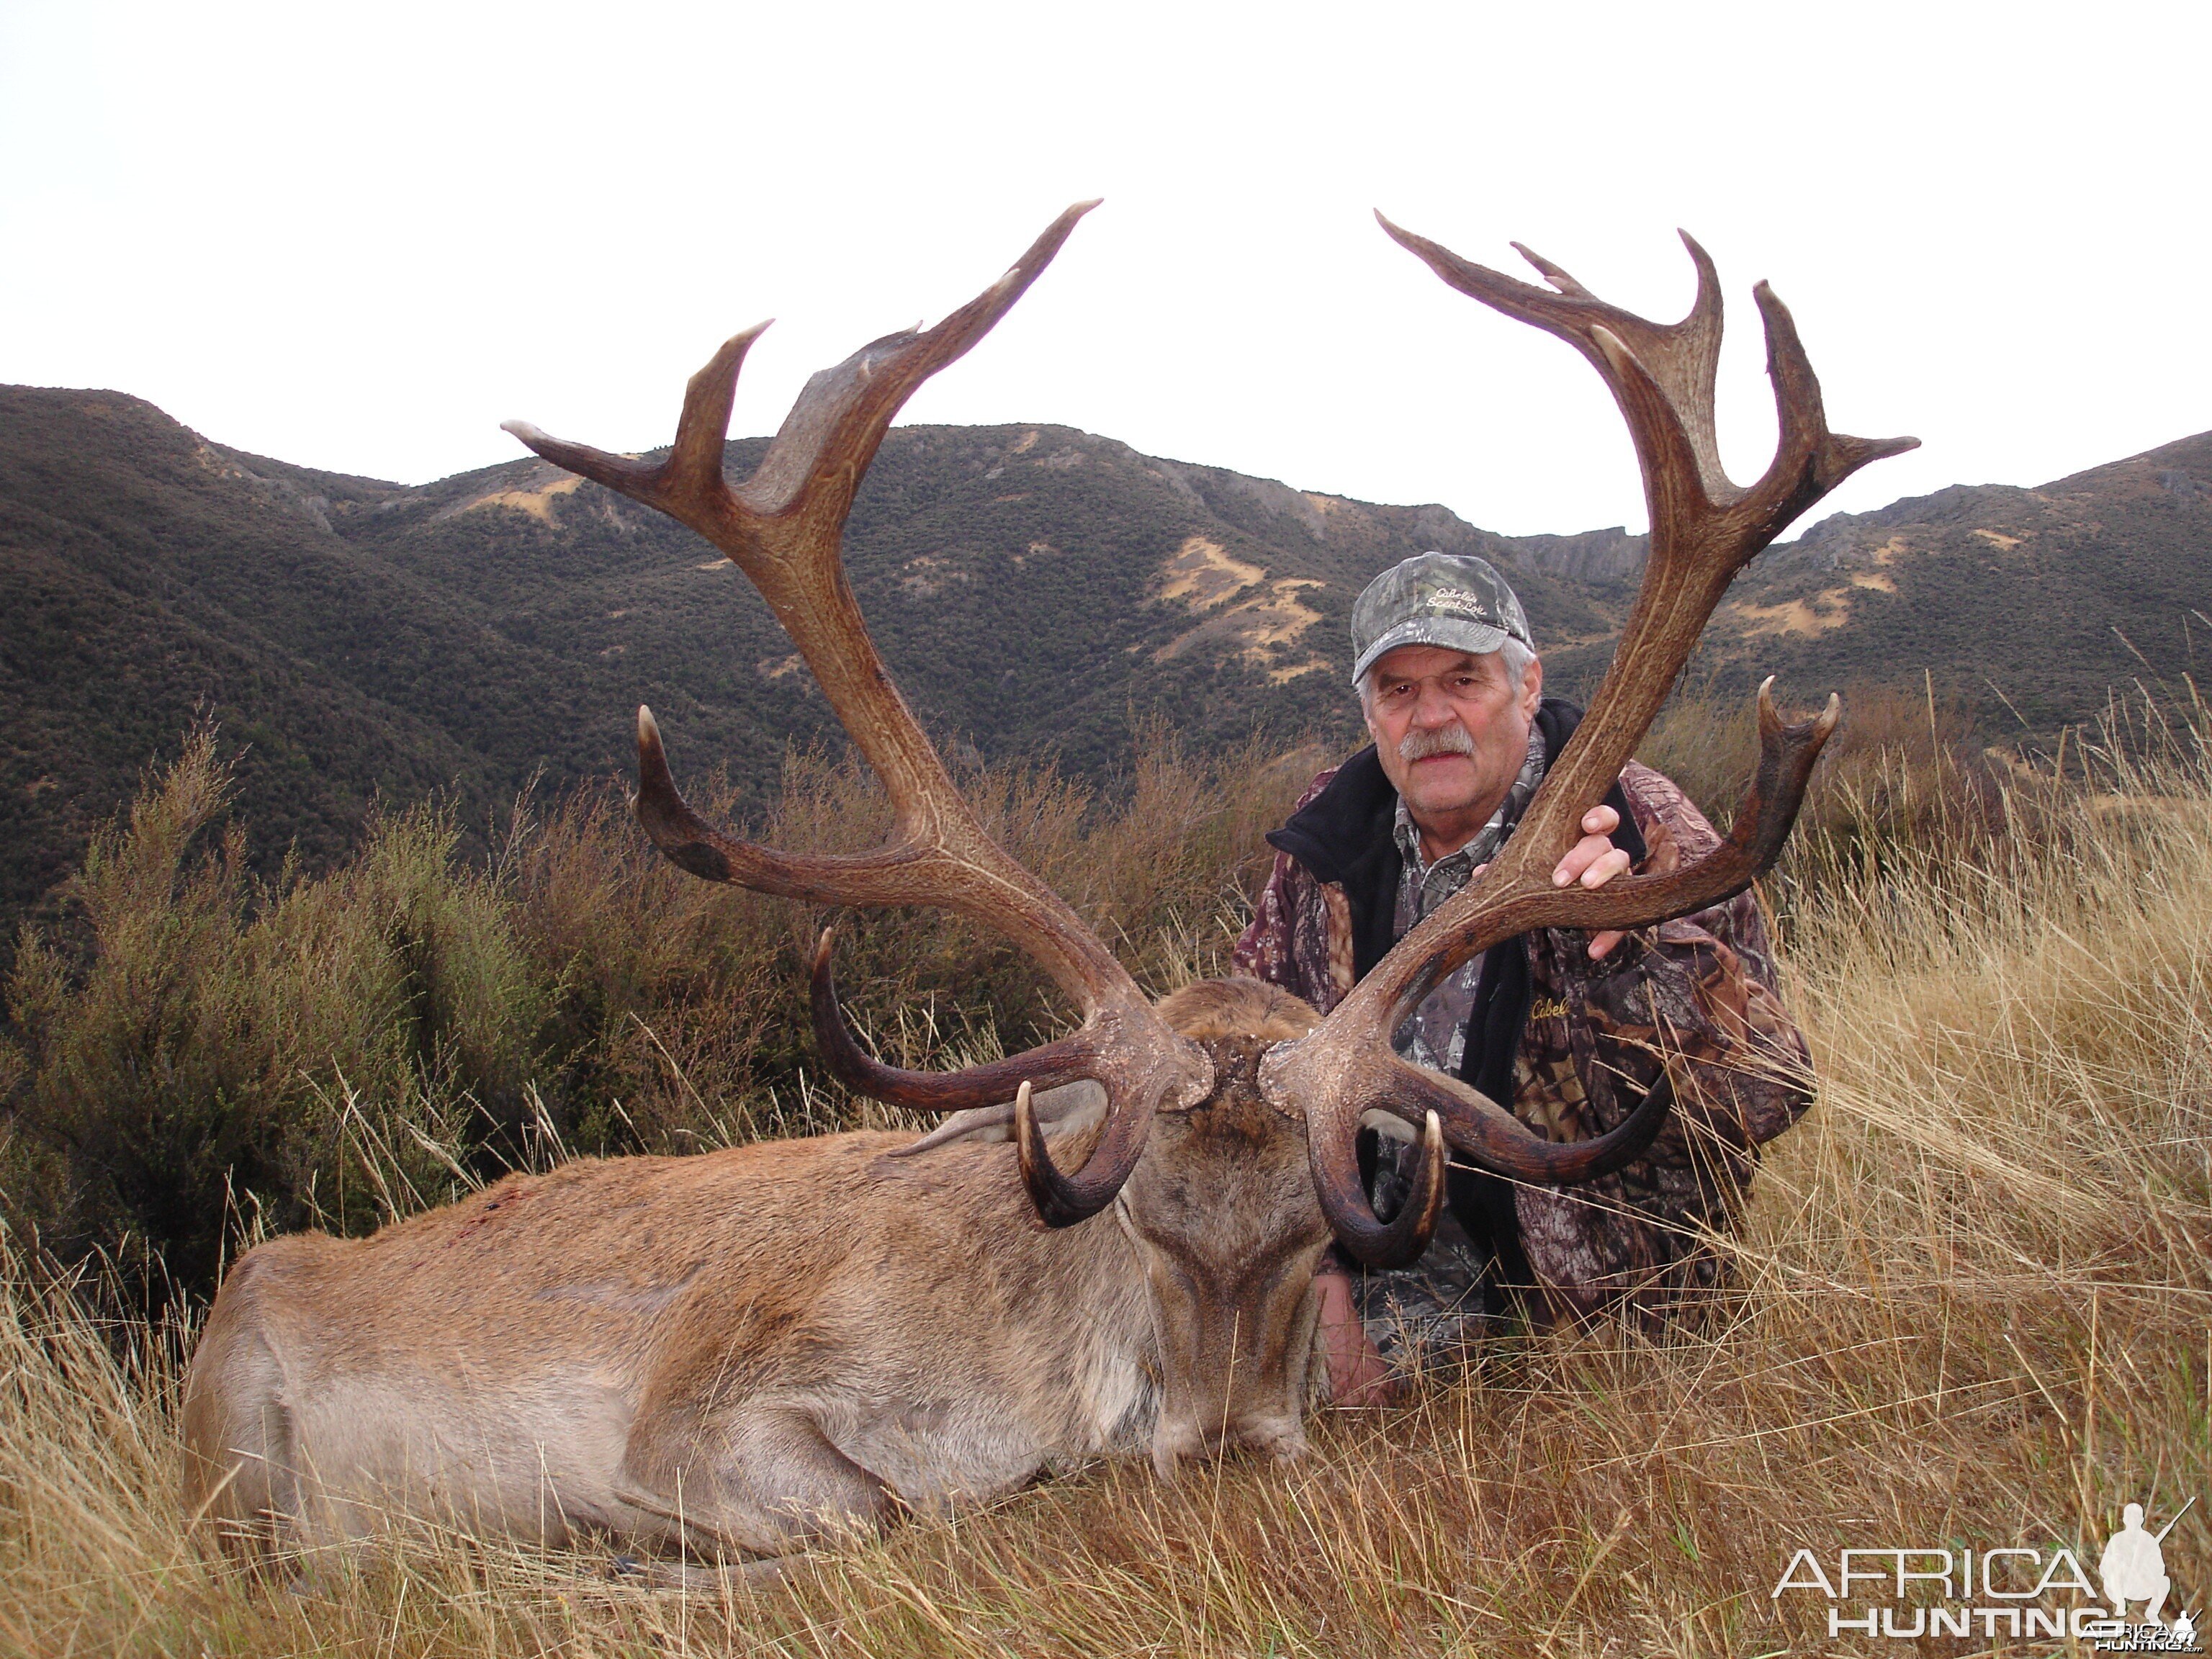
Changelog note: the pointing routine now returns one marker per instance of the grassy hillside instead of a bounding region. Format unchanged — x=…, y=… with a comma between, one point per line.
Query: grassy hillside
x=143, y=576
x=2027, y=604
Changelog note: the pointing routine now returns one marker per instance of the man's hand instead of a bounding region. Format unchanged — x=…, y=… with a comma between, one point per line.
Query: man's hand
x=1357, y=1374
x=1594, y=861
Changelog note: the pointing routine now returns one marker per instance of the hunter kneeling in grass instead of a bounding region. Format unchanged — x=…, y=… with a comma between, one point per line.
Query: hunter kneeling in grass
x=1569, y=1028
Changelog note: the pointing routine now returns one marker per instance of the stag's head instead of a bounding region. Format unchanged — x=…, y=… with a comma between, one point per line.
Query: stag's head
x=1218, y=1204
x=1226, y=1113
x=1223, y=1214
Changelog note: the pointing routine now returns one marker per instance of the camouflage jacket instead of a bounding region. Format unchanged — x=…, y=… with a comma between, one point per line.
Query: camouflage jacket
x=1575, y=1042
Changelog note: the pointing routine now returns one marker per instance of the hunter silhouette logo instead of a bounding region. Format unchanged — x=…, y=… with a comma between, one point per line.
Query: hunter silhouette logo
x=2007, y=1592
x=2133, y=1569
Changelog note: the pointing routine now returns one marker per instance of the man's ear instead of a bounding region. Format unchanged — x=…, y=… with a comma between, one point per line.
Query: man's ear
x=1532, y=688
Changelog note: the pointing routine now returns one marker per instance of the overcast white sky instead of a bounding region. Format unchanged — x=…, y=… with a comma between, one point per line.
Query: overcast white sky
x=359, y=237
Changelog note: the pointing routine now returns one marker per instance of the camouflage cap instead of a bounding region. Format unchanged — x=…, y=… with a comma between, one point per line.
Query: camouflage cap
x=1452, y=599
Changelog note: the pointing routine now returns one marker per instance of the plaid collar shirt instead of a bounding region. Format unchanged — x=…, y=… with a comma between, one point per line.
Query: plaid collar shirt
x=1436, y=1034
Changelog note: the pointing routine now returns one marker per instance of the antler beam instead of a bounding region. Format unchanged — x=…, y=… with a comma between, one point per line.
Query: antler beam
x=784, y=527
x=1704, y=528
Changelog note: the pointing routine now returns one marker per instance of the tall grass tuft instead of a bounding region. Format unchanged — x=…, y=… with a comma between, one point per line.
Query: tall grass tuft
x=1977, y=1310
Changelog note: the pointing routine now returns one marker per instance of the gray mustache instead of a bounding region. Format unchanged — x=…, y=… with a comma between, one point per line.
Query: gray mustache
x=1450, y=740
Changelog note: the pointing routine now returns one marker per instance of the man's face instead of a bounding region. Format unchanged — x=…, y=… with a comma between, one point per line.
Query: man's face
x=1421, y=699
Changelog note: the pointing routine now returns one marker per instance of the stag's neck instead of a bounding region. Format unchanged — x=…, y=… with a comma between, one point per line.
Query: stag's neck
x=1056, y=1322
x=1102, y=1338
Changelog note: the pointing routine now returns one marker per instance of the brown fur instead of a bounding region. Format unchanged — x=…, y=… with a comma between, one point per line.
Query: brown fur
x=1213, y=1009
x=773, y=1340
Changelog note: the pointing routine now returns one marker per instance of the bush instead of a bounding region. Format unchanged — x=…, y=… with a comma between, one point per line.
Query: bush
x=201, y=1054
x=212, y=1053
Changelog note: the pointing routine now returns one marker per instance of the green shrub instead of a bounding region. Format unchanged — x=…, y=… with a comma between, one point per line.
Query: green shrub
x=198, y=1054
x=211, y=1047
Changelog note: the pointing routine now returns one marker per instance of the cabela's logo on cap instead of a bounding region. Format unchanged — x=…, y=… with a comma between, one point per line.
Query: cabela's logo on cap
x=1455, y=601
x=1461, y=602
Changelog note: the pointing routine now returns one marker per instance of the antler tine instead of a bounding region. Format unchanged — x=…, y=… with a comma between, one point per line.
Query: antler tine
x=687, y=478
x=1099, y=1051
x=1048, y=1066
x=1683, y=358
x=784, y=527
x=1063, y=1199
x=1556, y=275
x=1810, y=460
x=1449, y=1110
x=1452, y=935
x=1351, y=1218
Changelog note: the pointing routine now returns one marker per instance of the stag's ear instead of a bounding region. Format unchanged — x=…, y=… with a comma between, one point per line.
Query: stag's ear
x=1389, y=1125
x=1066, y=1109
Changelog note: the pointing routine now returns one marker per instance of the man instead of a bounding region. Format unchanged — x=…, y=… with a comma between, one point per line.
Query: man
x=1568, y=1028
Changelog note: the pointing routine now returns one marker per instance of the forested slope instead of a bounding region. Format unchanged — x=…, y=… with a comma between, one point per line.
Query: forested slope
x=1035, y=591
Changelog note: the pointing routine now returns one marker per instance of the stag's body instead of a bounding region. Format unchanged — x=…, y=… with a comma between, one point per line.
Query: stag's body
x=735, y=1344
x=745, y=1346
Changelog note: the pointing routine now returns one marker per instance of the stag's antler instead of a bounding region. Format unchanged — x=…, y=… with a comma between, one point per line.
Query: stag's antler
x=1704, y=530
x=784, y=527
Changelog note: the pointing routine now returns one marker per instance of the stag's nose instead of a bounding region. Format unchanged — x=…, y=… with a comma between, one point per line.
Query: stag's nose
x=1277, y=1433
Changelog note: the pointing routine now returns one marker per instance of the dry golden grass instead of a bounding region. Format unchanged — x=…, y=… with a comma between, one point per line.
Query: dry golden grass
x=1976, y=1309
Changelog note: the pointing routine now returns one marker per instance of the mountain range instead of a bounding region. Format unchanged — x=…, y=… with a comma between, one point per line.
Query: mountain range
x=1037, y=590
